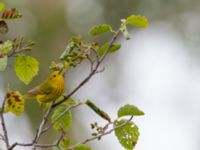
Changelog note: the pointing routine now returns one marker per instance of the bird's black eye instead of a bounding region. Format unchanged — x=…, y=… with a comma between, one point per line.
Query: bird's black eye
x=54, y=75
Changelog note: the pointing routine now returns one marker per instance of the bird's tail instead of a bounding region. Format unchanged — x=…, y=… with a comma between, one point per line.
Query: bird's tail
x=29, y=96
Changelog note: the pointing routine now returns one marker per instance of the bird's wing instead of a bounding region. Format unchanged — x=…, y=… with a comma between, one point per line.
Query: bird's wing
x=45, y=88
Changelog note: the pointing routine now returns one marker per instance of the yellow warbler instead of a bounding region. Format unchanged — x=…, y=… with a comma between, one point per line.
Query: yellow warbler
x=50, y=89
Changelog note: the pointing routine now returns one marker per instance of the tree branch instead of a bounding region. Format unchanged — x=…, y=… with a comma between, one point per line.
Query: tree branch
x=4, y=125
x=42, y=124
x=93, y=72
x=51, y=145
x=41, y=129
x=101, y=135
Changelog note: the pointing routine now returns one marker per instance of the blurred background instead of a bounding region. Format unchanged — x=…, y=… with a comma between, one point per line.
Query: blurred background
x=158, y=70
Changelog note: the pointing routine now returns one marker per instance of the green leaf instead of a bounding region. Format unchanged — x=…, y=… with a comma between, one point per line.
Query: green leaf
x=97, y=30
x=98, y=111
x=129, y=110
x=103, y=49
x=127, y=135
x=3, y=27
x=70, y=101
x=65, y=142
x=82, y=147
x=6, y=47
x=2, y=6
x=115, y=47
x=26, y=68
x=3, y=63
x=64, y=122
x=137, y=21
x=14, y=102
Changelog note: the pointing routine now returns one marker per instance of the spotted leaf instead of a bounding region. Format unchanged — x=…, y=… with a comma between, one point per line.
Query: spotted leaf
x=14, y=102
x=127, y=135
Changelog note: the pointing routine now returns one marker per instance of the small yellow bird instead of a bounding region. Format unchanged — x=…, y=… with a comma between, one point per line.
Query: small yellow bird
x=49, y=90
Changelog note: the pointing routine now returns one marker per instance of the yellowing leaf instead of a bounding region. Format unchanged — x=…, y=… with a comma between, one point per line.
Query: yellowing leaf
x=127, y=135
x=26, y=68
x=6, y=47
x=129, y=110
x=137, y=21
x=3, y=63
x=82, y=147
x=64, y=122
x=14, y=102
x=11, y=13
x=97, y=30
x=2, y=6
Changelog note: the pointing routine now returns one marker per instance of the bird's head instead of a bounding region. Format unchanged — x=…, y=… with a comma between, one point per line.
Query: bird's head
x=57, y=76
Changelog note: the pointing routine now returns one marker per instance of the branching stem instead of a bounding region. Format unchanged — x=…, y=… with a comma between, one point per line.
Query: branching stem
x=41, y=129
x=93, y=72
x=101, y=135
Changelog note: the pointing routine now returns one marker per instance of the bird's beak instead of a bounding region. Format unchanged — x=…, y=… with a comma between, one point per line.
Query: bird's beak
x=62, y=71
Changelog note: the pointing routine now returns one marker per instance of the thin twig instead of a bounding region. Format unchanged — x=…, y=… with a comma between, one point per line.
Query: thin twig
x=42, y=124
x=91, y=62
x=20, y=144
x=95, y=52
x=101, y=70
x=50, y=145
x=38, y=145
x=4, y=125
x=101, y=135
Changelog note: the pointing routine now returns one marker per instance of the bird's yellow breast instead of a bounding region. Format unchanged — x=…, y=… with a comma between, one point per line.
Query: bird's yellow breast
x=56, y=82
